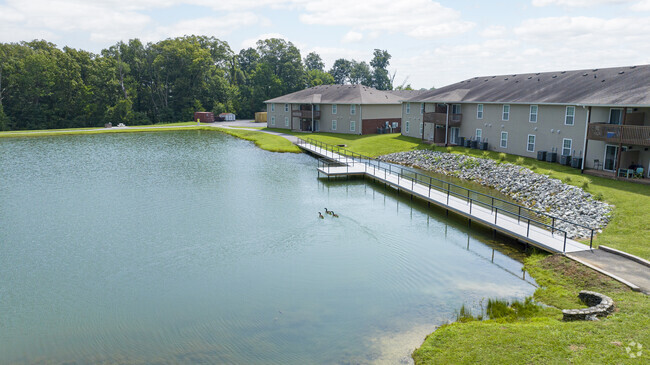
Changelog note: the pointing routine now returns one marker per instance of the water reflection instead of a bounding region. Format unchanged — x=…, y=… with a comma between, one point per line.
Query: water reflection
x=185, y=248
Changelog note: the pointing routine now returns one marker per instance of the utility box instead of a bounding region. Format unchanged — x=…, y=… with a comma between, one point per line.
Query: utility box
x=541, y=155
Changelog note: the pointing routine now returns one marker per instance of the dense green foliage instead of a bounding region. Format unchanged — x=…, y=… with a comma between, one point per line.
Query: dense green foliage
x=44, y=87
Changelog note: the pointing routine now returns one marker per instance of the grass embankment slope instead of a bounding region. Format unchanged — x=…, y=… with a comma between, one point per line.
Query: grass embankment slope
x=265, y=141
x=96, y=130
x=543, y=338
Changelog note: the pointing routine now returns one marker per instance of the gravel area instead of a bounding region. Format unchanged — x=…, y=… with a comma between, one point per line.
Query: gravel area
x=530, y=189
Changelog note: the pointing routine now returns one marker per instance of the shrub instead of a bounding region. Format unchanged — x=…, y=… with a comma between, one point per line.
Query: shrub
x=599, y=197
x=449, y=149
x=566, y=180
x=533, y=167
x=502, y=156
x=585, y=183
x=519, y=161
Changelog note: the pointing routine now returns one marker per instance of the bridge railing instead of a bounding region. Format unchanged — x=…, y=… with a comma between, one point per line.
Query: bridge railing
x=406, y=175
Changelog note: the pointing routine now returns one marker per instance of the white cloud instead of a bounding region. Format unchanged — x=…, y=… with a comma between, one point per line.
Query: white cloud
x=493, y=31
x=643, y=5
x=352, y=37
x=251, y=42
x=580, y=3
x=212, y=26
x=415, y=18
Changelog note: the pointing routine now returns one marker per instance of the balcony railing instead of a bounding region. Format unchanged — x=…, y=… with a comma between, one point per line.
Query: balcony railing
x=624, y=134
x=305, y=114
x=441, y=118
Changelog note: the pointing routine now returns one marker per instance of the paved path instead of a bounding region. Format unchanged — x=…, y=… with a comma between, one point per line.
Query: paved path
x=616, y=265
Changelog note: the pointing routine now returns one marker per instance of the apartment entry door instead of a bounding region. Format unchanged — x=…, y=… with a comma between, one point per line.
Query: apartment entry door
x=610, y=157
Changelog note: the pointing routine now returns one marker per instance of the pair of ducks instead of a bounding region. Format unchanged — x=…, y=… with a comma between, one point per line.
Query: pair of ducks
x=330, y=212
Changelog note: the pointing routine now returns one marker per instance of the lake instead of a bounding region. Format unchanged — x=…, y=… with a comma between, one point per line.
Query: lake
x=197, y=247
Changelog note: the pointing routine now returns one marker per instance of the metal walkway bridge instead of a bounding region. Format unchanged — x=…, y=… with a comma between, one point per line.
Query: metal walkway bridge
x=536, y=228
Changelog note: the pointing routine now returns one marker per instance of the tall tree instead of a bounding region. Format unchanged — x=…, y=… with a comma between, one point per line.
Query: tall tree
x=381, y=78
x=314, y=62
x=341, y=71
x=360, y=73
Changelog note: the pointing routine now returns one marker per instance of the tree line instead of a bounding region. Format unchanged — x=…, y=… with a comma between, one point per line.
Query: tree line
x=44, y=87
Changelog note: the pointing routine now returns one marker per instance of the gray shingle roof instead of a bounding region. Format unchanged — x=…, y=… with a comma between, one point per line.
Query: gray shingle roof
x=625, y=86
x=342, y=94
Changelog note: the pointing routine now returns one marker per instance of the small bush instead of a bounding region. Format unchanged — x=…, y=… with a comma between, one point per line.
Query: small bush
x=599, y=197
x=585, y=183
x=567, y=180
x=486, y=154
x=449, y=149
x=519, y=161
x=465, y=315
x=533, y=167
x=502, y=156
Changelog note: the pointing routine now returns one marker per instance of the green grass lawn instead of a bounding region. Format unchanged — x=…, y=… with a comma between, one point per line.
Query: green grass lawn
x=544, y=338
x=265, y=141
x=96, y=130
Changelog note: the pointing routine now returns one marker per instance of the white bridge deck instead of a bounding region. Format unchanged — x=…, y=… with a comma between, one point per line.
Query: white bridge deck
x=513, y=226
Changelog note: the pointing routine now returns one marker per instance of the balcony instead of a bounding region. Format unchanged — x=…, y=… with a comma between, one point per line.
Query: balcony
x=441, y=118
x=305, y=114
x=624, y=134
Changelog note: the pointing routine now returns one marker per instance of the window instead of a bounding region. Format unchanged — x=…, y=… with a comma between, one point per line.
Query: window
x=286, y=121
x=506, y=112
x=421, y=108
x=479, y=111
x=570, y=115
x=455, y=109
x=353, y=109
x=353, y=125
x=272, y=107
x=407, y=126
x=533, y=114
x=615, y=116
x=566, y=146
x=504, y=139
x=408, y=108
x=334, y=108
x=530, y=147
x=333, y=125
x=479, y=134
x=273, y=120
x=286, y=107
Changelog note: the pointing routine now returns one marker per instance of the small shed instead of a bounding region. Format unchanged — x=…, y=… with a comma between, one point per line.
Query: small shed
x=204, y=117
x=229, y=117
x=260, y=117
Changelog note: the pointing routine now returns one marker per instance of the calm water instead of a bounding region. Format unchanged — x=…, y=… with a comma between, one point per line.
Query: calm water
x=195, y=247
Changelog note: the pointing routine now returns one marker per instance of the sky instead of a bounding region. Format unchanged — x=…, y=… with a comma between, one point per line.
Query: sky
x=432, y=43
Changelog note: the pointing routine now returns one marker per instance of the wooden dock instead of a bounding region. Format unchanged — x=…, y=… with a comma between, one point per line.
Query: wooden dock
x=528, y=228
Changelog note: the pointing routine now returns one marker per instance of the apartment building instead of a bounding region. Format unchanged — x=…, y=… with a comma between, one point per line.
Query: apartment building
x=601, y=116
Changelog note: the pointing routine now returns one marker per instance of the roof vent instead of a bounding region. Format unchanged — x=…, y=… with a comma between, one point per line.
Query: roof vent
x=506, y=79
x=485, y=80
x=595, y=76
x=537, y=73
x=621, y=72
x=514, y=75
x=585, y=74
x=493, y=76
x=632, y=67
x=530, y=77
x=563, y=72
x=594, y=70
x=476, y=78
x=516, y=81
x=603, y=80
x=554, y=76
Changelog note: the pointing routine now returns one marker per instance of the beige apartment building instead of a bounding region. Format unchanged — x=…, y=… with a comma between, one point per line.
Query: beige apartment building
x=351, y=109
x=598, y=117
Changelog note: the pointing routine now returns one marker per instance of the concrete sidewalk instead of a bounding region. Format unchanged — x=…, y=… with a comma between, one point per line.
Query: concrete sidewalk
x=619, y=267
